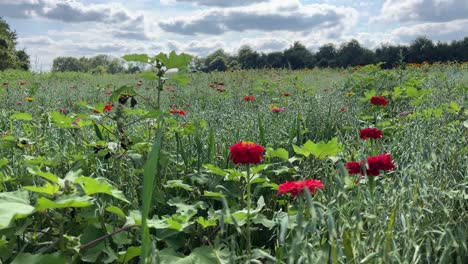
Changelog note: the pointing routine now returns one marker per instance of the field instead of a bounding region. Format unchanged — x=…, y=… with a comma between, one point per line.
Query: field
x=93, y=172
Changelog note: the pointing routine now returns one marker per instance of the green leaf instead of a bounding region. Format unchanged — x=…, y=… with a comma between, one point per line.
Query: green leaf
x=130, y=254
x=215, y=170
x=21, y=116
x=203, y=254
x=3, y=162
x=65, y=201
x=116, y=210
x=150, y=173
x=301, y=151
x=206, y=222
x=38, y=259
x=178, y=184
x=99, y=185
x=14, y=205
x=180, y=61
x=279, y=153
x=48, y=188
x=322, y=150
x=136, y=58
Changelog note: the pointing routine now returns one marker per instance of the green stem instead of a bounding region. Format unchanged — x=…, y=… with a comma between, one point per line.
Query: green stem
x=249, y=200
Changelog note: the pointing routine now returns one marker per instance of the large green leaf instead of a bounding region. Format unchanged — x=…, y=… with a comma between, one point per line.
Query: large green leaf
x=99, y=185
x=47, y=188
x=21, y=116
x=38, y=259
x=203, y=254
x=65, y=201
x=14, y=205
x=279, y=153
x=180, y=61
x=320, y=150
x=122, y=90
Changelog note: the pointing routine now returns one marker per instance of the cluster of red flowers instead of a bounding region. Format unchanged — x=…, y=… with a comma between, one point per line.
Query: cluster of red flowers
x=378, y=100
x=216, y=84
x=373, y=133
x=297, y=187
x=375, y=165
x=246, y=152
x=249, y=98
x=108, y=107
x=177, y=111
x=276, y=109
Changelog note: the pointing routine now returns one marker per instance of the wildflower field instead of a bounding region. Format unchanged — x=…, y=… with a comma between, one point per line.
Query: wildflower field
x=355, y=165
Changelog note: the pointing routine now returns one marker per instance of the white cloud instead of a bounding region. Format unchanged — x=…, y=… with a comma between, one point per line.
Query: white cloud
x=439, y=31
x=219, y=3
x=287, y=15
x=65, y=11
x=423, y=10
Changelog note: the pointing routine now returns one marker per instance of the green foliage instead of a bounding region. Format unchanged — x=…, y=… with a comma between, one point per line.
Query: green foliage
x=138, y=183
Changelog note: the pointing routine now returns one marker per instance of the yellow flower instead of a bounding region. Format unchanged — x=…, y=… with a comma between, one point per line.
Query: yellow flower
x=349, y=94
x=29, y=99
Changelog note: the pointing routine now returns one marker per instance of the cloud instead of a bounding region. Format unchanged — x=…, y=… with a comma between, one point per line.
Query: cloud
x=423, y=10
x=439, y=31
x=218, y=3
x=65, y=11
x=285, y=15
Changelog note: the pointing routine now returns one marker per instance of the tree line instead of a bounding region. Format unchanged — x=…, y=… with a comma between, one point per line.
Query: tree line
x=10, y=58
x=351, y=53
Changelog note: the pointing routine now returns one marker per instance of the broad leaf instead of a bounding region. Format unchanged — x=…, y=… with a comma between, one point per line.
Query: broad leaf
x=14, y=205
x=63, y=202
x=99, y=185
x=21, y=116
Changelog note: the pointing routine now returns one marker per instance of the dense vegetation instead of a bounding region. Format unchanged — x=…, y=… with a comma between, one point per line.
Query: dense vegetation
x=351, y=53
x=85, y=158
x=10, y=58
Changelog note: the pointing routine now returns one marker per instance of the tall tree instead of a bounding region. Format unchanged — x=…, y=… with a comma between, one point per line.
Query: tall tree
x=247, y=57
x=352, y=53
x=9, y=57
x=298, y=56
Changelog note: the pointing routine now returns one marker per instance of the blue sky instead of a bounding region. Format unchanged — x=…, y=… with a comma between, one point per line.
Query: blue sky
x=52, y=28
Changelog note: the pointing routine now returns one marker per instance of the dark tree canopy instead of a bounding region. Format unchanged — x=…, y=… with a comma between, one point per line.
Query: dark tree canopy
x=348, y=54
x=10, y=58
x=99, y=64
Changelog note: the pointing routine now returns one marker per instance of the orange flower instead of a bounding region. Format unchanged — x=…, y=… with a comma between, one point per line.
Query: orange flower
x=276, y=109
x=249, y=98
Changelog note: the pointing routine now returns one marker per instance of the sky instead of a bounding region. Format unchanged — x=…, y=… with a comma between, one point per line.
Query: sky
x=53, y=28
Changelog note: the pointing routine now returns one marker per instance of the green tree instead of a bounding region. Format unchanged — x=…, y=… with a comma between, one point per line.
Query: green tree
x=218, y=64
x=9, y=57
x=352, y=54
x=298, y=56
x=248, y=58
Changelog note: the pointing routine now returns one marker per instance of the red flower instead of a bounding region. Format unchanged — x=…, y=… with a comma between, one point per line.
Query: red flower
x=342, y=108
x=96, y=111
x=62, y=110
x=220, y=90
x=375, y=165
x=220, y=83
x=249, y=98
x=246, y=152
x=353, y=167
x=276, y=109
x=297, y=187
x=177, y=111
x=108, y=107
x=212, y=85
x=286, y=94
x=23, y=83
x=380, y=162
x=378, y=100
x=373, y=133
